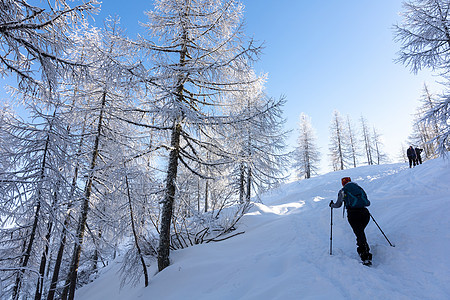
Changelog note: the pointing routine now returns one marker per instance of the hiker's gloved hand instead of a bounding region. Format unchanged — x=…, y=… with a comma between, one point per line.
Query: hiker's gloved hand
x=331, y=203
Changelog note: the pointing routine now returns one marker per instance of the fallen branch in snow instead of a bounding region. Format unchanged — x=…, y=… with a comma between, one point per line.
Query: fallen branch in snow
x=219, y=240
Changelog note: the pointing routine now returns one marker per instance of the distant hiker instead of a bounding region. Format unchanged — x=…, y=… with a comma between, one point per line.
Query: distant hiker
x=418, y=157
x=355, y=200
x=411, y=153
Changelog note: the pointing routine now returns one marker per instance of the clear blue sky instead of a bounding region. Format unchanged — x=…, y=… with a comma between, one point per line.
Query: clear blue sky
x=325, y=55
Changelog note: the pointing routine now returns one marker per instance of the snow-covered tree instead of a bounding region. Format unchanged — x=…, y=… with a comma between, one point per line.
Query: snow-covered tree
x=402, y=154
x=353, y=143
x=258, y=142
x=380, y=155
x=421, y=137
x=201, y=49
x=426, y=132
x=104, y=97
x=338, y=142
x=269, y=159
x=72, y=168
x=424, y=35
x=306, y=155
x=34, y=38
x=439, y=116
x=429, y=128
x=32, y=188
x=109, y=114
x=367, y=140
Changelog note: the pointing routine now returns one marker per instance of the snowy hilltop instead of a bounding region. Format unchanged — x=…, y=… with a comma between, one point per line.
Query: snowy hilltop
x=284, y=252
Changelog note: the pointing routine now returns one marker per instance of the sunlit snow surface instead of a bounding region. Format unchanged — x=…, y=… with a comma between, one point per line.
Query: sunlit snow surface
x=284, y=253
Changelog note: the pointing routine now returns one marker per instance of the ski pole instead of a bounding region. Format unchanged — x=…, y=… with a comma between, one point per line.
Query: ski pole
x=331, y=233
x=382, y=231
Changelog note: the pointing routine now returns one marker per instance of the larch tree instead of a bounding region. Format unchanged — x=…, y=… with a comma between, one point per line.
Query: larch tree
x=267, y=158
x=380, y=155
x=338, y=142
x=353, y=142
x=258, y=142
x=424, y=35
x=103, y=97
x=426, y=131
x=195, y=49
x=401, y=156
x=440, y=115
x=32, y=186
x=429, y=103
x=34, y=39
x=367, y=140
x=306, y=155
x=67, y=163
x=82, y=177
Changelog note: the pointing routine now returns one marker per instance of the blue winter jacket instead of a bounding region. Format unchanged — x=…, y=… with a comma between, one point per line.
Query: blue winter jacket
x=342, y=196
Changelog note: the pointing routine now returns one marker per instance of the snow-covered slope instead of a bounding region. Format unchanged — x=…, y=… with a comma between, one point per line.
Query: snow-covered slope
x=284, y=253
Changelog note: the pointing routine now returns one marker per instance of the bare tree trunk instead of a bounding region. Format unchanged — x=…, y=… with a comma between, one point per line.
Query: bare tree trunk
x=434, y=124
x=376, y=142
x=172, y=168
x=54, y=282
x=69, y=290
x=249, y=185
x=136, y=240
x=95, y=257
x=62, y=244
x=206, y=195
x=341, y=155
x=352, y=141
x=308, y=171
x=27, y=254
x=366, y=138
x=169, y=197
x=40, y=282
x=307, y=160
x=198, y=194
x=241, y=183
x=16, y=287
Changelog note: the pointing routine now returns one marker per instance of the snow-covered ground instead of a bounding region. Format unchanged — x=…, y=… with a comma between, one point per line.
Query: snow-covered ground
x=284, y=253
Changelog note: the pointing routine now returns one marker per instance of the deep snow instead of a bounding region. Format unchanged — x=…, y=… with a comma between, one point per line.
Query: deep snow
x=284, y=253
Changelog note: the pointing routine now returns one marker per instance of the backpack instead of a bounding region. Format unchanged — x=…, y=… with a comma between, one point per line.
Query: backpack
x=355, y=196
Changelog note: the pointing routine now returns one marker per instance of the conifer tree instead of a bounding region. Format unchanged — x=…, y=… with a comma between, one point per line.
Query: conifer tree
x=366, y=138
x=34, y=39
x=32, y=184
x=306, y=154
x=103, y=98
x=380, y=155
x=425, y=43
x=338, y=142
x=426, y=131
x=423, y=34
x=352, y=143
x=201, y=49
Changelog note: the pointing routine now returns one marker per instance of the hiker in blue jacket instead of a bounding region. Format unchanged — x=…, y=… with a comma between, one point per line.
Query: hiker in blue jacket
x=355, y=200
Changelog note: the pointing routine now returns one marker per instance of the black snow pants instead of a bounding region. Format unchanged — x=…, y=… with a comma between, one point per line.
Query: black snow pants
x=358, y=219
x=412, y=161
